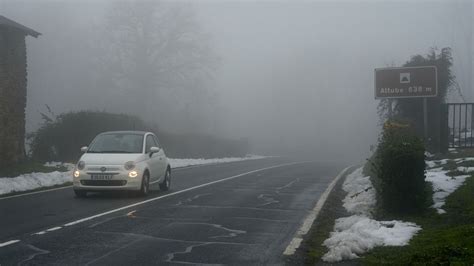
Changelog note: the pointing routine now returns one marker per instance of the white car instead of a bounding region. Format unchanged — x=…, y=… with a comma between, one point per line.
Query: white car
x=122, y=160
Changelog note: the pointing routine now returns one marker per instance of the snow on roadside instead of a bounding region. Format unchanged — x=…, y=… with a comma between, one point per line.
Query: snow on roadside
x=68, y=166
x=443, y=185
x=465, y=169
x=360, y=197
x=357, y=234
x=32, y=181
x=466, y=159
x=175, y=163
x=435, y=163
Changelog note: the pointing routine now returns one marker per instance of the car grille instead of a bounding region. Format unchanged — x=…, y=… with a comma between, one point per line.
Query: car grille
x=115, y=183
x=97, y=168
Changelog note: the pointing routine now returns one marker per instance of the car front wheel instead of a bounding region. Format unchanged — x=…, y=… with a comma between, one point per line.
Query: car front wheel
x=166, y=184
x=145, y=184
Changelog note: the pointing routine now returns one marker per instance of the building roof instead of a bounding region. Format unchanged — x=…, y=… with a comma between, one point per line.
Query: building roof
x=6, y=22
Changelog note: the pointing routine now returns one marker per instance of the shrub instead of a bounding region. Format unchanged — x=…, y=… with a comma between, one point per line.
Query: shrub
x=59, y=138
x=399, y=167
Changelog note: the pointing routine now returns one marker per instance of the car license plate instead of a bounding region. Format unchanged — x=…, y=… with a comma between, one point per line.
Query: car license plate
x=101, y=177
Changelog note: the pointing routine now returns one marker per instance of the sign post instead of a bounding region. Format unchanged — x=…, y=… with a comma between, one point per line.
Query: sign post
x=407, y=82
x=425, y=118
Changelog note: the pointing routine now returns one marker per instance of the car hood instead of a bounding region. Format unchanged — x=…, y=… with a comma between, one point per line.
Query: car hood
x=110, y=158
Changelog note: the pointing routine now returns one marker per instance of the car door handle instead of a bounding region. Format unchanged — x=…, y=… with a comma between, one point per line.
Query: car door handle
x=161, y=158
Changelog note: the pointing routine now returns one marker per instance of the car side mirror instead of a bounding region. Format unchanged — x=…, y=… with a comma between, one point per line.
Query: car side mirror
x=154, y=150
x=84, y=149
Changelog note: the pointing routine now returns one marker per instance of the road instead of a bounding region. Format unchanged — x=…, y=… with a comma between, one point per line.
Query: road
x=235, y=213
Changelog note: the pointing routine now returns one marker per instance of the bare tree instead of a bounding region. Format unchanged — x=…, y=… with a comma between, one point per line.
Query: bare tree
x=158, y=58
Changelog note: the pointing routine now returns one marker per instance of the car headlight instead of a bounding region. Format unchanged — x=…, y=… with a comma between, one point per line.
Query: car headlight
x=77, y=173
x=129, y=165
x=133, y=174
x=81, y=165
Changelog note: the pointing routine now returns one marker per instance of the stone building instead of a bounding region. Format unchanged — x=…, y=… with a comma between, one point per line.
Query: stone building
x=12, y=90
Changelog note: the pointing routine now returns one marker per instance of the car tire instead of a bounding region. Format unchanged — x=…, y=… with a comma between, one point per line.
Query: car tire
x=80, y=193
x=145, y=188
x=166, y=184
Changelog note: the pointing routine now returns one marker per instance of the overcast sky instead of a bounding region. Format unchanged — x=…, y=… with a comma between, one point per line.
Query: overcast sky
x=294, y=75
x=304, y=69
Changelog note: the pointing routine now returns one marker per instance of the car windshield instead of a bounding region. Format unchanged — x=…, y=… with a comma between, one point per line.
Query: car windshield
x=117, y=143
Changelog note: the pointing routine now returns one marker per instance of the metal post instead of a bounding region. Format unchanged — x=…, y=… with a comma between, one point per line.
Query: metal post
x=390, y=109
x=465, y=125
x=425, y=118
x=459, y=125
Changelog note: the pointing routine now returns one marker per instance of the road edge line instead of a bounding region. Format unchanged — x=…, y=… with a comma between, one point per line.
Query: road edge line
x=21, y=194
x=4, y=244
x=312, y=215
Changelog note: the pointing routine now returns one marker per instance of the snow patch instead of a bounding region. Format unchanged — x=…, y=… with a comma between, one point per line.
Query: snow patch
x=465, y=169
x=429, y=155
x=443, y=185
x=68, y=166
x=432, y=164
x=360, y=197
x=175, y=163
x=467, y=159
x=357, y=234
x=33, y=181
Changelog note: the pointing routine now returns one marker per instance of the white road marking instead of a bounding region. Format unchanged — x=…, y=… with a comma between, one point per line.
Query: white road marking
x=47, y=230
x=312, y=215
x=188, y=200
x=4, y=244
x=288, y=185
x=53, y=189
x=36, y=192
x=176, y=193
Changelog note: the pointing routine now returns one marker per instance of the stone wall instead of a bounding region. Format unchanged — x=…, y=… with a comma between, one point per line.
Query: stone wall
x=12, y=96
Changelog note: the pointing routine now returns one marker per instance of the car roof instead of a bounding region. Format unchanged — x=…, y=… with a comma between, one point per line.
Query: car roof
x=137, y=132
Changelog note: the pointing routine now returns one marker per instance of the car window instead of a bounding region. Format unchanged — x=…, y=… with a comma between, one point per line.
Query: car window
x=149, y=143
x=117, y=143
x=155, y=138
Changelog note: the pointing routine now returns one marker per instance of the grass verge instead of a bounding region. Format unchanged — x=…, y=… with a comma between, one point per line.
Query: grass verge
x=459, y=153
x=312, y=249
x=445, y=239
x=28, y=167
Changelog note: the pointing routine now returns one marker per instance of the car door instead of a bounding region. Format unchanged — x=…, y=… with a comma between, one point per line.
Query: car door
x=153, y=160
x=161, y=158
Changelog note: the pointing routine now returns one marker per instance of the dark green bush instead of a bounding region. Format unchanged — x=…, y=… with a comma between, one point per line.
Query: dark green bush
x=399, y=169
x=60, y=138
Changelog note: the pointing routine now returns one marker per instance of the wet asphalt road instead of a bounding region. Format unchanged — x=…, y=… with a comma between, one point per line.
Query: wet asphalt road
x=242, y=213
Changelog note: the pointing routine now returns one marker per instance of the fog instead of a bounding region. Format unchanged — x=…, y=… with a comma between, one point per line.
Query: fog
x=293, y=77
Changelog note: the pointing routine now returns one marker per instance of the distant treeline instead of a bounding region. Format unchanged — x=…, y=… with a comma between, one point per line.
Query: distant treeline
x=60, y=138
